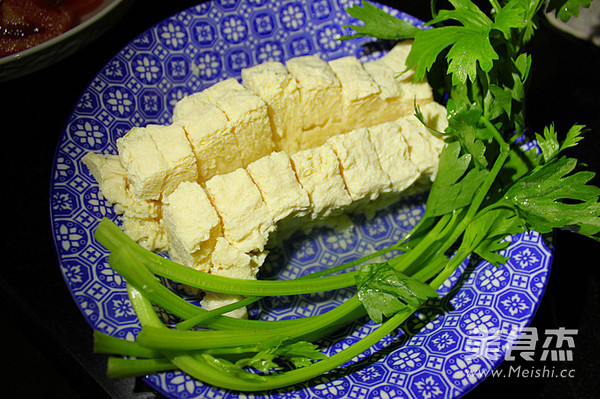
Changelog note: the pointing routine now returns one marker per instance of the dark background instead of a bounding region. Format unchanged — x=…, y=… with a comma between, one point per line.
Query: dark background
x=45, y=343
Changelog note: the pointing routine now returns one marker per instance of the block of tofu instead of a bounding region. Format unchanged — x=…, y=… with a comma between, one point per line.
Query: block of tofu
x=359, y=166
x=359, y=93
x=212, y=93
x=148, y=232
x=144, y=164
x=419, y=146
x=192, y=225
x=435, y=116
x=230, y=261
x=272, y=82
x=393, y=154
x=245, y=217
x=111, y=178
x=319, y=90
x=280, y=189
x=172, y=142
x=391, y=103
x=249, y=122
x=212, y=301
x=318, y=171
x=395, y=59
x=210, y=136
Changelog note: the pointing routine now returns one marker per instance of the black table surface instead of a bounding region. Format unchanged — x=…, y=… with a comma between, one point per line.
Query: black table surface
x=46, y=344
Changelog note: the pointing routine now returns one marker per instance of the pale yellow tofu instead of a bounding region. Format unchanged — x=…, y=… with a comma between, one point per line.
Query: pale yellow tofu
x=420, y=149
x=192, y=225
x=111, y=178
x=210, y=135
x=246, y=219
x=393, y=154
x=318, y=171
x=359, y=94
x=145, y=166
x=319, y=90
x=212, y=93
x=177, y=153
x=395, y=59
x=230, y=261
x=148, y=232
x=359, y=165
x=249, y=122
x=435, y=116
x=277, y=182
x=391, y=103
x=272, y=82
x=214, y=300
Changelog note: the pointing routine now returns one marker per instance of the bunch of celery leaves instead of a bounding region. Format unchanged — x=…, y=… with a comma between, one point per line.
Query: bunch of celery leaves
x=487, y=188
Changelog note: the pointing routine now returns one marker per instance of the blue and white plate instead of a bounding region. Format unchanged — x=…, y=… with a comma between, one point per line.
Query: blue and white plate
x=438, y=354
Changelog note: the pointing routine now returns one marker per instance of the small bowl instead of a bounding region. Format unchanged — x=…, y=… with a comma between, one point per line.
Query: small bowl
x=92, y=25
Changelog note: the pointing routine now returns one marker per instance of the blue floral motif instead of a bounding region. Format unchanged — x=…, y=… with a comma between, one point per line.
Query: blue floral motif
x=332, y=389
x=64, y=202
x=75, y=272
x=444, y=341
x=292, y=16
x=71, y=237
x=119, y=309
x=172, y=34
x=370, y=375
x=257, y=3
x=147, y=68
x=64, y=168
x=427, y=385
x=464, y=371
x=88, y=103
x=227, y=4
x=204, y=33
x=119, y=101
x=387, y=391
x=526, y=258
x=237, y=60
x=264, y=23
x=150, y=103
x=491, y=278
x=409, y=358
x=478, y=320
x=327, y=38
x=300, y=45
x=115, y=70
x=174, y=95
x=96, y=204
x=320, y=9
x=209, y=65
x=234, y=29
x=177, y=68
x=270, y=51
x=515, y=304
x=88, y=133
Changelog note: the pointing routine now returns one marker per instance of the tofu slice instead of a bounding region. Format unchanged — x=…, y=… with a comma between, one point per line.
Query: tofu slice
x=192, y=225
x=435, y=116
x=319, y=90
x=359, y=166
x=144, y=164
x=282, y=193
x=209, y=133
x=111, y=178
x=393, y=154
x=212, y=93
x=177, y=153
x=148, y=232
x=391, y=103
x=359, y=93
x=272, y=82
x=249, y=122
x=318, y=171
x=395, y=59
x=245, y=217
x=420, y=149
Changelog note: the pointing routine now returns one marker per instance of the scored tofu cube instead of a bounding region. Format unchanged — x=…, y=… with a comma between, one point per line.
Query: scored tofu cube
x=146, y=169
x=420, y=149
x=319, y=90
x=111, y=178
x=435, y=116
x=272, y=82
x=359, y=93
x=148, y=232
x=359, y=165
x=395, y=59
x=212, y=93
x=393, y=154
x=318, y=171
x=192, y=225
x=391, y=101
x=246, y=219
x=209, y=133
x=277, y=182
x=177, y=153
x=230, y=261
x=249, y=121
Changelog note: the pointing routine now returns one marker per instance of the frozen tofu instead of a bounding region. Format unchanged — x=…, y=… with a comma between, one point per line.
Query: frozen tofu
x=319, y=90
x=420, y=149
x=277, y=182
x=212, y=93
x=248, y=120
x=230, y=261
x=211, y=138
x=359, y=165
x=213, y=300
x=435, y=116
x=144, y=164
x=359, y=93
x=177, y=153
x=391, y=102
x=246, y=219
x=272, y=82
x=192, y=225
x=395, y=59
x=111, y=178
x=393, y=154
x=147, y=232
x=318, y=171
